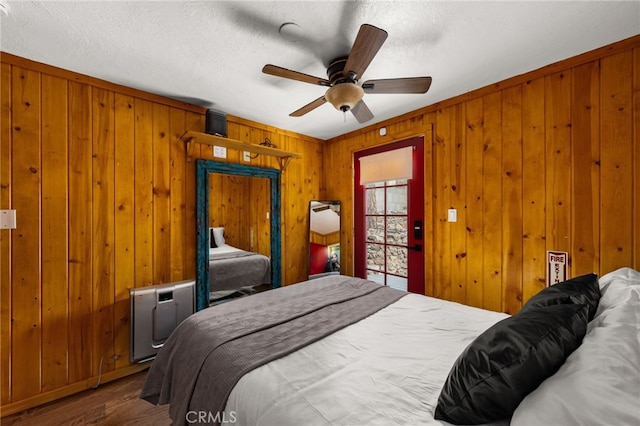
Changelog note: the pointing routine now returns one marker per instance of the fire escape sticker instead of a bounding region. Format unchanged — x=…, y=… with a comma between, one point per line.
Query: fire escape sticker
x=557, y=267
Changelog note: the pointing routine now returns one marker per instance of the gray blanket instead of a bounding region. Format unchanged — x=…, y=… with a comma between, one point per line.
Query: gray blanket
x=237, y=269
x=210, y=351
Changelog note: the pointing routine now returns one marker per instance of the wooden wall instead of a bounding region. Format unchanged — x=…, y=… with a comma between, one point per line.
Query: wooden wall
x=549, y=160
x=105, y=201
x=240, y=205
x=325, y=239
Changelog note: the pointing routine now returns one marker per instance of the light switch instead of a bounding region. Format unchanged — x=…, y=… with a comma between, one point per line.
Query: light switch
x=7, y=219
x=452, y=215
x=246, y=156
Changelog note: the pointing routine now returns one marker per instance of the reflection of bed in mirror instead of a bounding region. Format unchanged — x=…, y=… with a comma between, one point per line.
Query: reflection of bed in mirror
x=324, y=238
x=233, y=270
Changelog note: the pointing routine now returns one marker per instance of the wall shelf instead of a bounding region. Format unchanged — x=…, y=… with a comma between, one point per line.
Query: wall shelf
x=191, y=137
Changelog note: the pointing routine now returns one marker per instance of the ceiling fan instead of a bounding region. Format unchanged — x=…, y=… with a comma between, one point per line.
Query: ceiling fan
x=343, y=73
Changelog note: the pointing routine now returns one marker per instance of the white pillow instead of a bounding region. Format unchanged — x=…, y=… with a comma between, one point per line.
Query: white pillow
x=599, y=383
x=218, y=235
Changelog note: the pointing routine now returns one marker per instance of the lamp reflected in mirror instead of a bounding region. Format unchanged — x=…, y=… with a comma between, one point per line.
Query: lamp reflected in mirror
x=324, y=238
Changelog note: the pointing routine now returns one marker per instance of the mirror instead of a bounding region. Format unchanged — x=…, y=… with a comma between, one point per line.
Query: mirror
x=239, y=229
x=324, y=238
x=204, y=168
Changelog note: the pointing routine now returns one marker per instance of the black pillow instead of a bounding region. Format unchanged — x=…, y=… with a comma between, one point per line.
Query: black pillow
x=508, y=361
x=584, y=289
x=212, y=240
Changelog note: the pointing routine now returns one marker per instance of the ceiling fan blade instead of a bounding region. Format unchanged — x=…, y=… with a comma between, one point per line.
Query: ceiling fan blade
x=294, y=75
x=398, y=85
x=308, y=107
x=362, y=112
x=368, y=41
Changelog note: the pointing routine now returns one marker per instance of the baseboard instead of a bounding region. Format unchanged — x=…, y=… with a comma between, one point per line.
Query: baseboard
x=54, y=395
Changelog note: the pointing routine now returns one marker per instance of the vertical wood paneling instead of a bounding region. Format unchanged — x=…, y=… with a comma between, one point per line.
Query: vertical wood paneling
x=106, y=201
x=457, y=201
x=192, y=121
x=533, y=188
x=585, y=168
x=5, y=235
x=442, y=194
x=428, y=204
x=215, y=203
x=55, y=230
x=178, y=195
x=553, y=166
x=558, y=157
x=161, y=195
x=26, y=341
x=81, y=236
x=124, y=260
x=260, y=193
x=616, y=151
x=143, y=193
x=474, y=202
x=103, y=122
x=512, y=253
x=295, y=216
x=492, y=194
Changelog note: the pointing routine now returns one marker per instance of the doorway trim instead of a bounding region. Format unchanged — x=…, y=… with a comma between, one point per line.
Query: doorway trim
x=359, y=244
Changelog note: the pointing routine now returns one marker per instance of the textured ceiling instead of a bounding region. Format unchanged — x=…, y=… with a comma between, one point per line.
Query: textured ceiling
x=211, y=53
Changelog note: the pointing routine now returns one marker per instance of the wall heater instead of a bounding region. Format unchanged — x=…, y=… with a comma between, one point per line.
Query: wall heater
x=155, y=311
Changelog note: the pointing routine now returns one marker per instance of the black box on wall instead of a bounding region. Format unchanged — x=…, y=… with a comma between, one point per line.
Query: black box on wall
x=216, y=123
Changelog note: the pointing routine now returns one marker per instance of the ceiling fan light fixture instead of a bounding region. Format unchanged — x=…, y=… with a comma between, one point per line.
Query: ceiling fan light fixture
x=344, y=96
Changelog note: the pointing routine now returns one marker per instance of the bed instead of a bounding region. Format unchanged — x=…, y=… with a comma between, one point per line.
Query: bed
x=232, y=269
x=340, y=350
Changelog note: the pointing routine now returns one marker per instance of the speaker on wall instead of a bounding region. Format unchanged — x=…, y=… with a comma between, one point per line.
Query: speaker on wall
x=216, y=123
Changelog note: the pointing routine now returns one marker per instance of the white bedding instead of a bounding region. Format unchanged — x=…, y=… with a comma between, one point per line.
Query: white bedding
x=386, y=369
x=390, y=367
x=599, y=383
x=222, y=249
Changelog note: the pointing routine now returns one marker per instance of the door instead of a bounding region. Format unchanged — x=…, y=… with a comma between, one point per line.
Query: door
x=389, y=218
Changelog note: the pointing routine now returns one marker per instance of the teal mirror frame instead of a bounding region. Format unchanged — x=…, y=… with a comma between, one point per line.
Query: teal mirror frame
x=203, y=168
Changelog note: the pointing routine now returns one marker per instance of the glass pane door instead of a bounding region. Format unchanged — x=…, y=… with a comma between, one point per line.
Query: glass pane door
x=388, y=223
x=386, y=218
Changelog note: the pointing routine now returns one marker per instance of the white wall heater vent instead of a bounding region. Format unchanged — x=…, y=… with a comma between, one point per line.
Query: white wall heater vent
x=155, y=312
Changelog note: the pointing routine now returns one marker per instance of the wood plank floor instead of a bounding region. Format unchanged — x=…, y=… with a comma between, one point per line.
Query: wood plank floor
x=114, y=403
